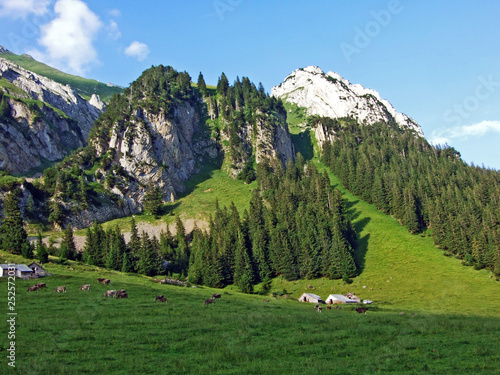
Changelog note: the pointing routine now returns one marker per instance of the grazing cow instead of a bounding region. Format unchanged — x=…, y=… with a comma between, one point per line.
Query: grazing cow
x=121, y=294
x=216, y=296
x=319, y=309
x=85, y=287
x=209, y=301
x=266, y=300
x=105, y=281
x=33, y=288
x=328, y=307
x=162, y=299
x=159, y=297
x=110, y=293
x=361, y=310
x=100, y=279
x=41, y=285
x=60, y=289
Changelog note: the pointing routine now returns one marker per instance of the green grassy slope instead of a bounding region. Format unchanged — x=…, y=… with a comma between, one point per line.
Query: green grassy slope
x=85, y=87
x=405, y=271
x=85, y=332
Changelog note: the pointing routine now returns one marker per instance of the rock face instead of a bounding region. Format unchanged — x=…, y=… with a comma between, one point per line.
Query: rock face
x=330, y=95
x=46, y=122
x=152, y=148
x=31, y=137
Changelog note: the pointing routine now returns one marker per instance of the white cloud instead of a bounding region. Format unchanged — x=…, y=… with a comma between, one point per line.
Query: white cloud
x=113, y=30
x=464, y=132
x=21, y=8
x=138, y=50
x=68, y=38
x=115, y=13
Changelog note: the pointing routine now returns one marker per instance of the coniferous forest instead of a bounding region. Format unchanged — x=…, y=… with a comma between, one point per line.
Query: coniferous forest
x=297, y=227
x=426, y=188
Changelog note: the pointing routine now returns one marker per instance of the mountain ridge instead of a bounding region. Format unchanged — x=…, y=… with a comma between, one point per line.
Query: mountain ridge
x=330, y=95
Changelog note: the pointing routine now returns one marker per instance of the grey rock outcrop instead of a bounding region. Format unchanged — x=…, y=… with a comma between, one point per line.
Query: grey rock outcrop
x=46, y=122
x=330, y=95
x=155, y=149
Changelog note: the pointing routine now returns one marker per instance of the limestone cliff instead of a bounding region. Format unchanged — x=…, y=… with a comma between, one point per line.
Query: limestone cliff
x=41, y=120
x=330, y=95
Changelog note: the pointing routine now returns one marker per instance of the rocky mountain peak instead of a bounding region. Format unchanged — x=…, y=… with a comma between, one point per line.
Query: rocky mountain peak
x=331, y=95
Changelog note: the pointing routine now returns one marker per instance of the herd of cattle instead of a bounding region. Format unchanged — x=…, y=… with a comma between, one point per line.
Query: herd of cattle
x=62, y=289
x=359, y=310
x=122, y=293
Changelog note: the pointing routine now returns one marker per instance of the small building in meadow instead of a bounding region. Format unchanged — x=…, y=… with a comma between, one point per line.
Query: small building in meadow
x=38, y=270
x=309, y=297
x=334, y=299
x=20, y=270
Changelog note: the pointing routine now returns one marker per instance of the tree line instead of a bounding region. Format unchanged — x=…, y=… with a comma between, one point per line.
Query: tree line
x=297, y=226
x=425, y=187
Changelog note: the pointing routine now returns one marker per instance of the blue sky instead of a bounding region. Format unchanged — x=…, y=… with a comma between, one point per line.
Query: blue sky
x=438, y=62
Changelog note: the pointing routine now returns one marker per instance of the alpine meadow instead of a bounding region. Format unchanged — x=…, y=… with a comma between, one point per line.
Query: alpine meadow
x=180, y=225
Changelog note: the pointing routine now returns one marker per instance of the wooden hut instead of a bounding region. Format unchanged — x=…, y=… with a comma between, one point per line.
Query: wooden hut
x=309, y=297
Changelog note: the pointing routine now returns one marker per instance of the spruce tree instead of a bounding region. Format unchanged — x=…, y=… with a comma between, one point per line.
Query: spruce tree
x=68, y=248
x=153, y=200
x=13, y=236
x=41, y=250
x=201, y=85
x=148, y=263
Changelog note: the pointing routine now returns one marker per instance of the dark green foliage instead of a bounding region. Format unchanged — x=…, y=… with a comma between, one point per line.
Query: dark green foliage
x=4, y=107
x=153, y=200
x=41, y=250
x=13, y=237
x=68, y=248
x=297, y=227
x=423, y=186
x=149, y=261
x=202, y=85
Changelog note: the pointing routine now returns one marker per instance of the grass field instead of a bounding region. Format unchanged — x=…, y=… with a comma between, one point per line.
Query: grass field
x=82, y=332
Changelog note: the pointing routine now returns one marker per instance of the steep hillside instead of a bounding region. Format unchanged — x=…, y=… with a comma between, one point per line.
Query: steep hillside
x=83, y=86
x=42, y=120
x=155, y=136
x=330, y=95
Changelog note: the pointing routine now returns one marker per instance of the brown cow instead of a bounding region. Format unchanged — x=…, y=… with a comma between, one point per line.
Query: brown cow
x=85, y=287
x=159, y=297
x=209, y=301
x=110, y=293
x=121, y=294
x=328, y=307
x=361, y=310
x=60, y=289
x=162, y=299
x=216, y=296
x=100, y=279
x=105, y=281
x=41, y=285
x=33, y=288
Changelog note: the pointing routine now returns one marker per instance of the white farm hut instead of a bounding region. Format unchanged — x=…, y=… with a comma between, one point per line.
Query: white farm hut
x=339, y=298
x=19, y=270
x=309, y=297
